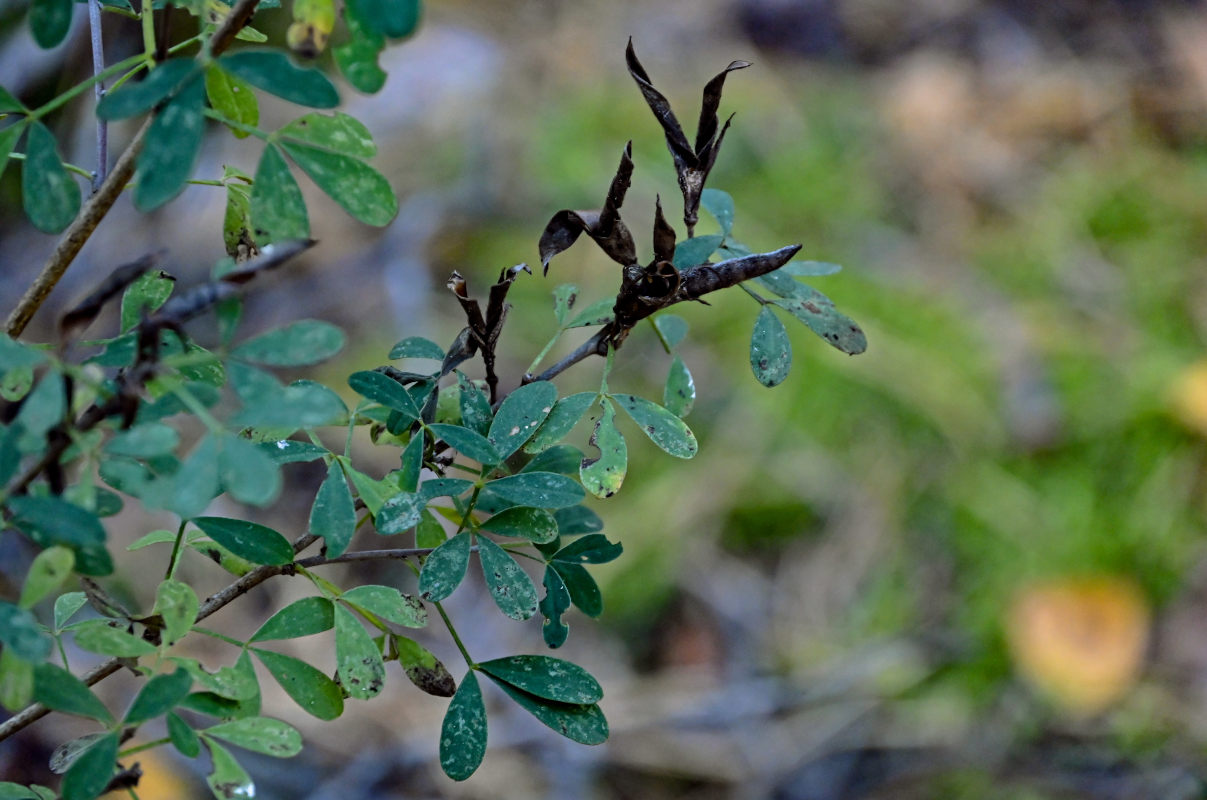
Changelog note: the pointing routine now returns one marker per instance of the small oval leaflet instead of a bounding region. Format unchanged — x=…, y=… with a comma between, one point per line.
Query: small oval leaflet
x=510, y=586
x=272, y=71
x=661, y=426
x=561, y=420
x=417, y=347
x=468, y=443
x=257, y=543
x=259, y=734
x=300, y=343
x=58, y=689
x=520, y=414
x=546, y=677
x=333, y=514
x=228, y=780
x=583, y=590
x=679, y=393
x=312, y=690
x=359, y=665
x=158, y=696
x=51, y=196
x=303, y=617
x=770, y=350
x=277, y=206
x=603, y=475
x=538, y=489
x=388, y=603
x=535, y=524
x=463, y=733
x=92, y=769
x=422, y=668
x=584, y=724
x=444, y=568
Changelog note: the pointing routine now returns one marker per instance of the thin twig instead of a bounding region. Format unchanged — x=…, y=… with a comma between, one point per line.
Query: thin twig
x=595, y=346
x=98, y=66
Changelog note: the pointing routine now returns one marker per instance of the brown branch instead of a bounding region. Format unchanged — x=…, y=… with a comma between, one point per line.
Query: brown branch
x=99, y=204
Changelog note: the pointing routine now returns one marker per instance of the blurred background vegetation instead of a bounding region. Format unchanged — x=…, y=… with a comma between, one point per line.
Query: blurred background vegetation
x=966, y=564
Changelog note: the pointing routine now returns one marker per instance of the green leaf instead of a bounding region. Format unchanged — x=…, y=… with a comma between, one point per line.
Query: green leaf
x=585, y=724
x=591, y=549
x=90, y=773
x=359, y=665
x=564, y=297
x=693, y=252
x=429, y=532
x=444, y=487
x=373, y=493
x=598, y=313
x=50, y=20
x=257, y=543
x=385, y=390
x=59, y=690
x=15, y=791
x=720, y=205
x=399, y=514
x=260, y=735
x=561, y=458
x=679, y=393
x=247, y=473
x=411, y=464
x=576, y=520
x=14, y=354
x=16, y=681
x=538, y=489
x=582, y=588
x=510, y=586
x=277, y=206
x=358, y=188
x=20, y=632
x=357, y=58
x=603, y=475
x=184, y=739
x=770, y=350
x=145, y=440
x=9, y=103
x=546, y=677
x=387, y=603
x=47, y=572
x=561, y=420
x=475, y=408
x=42, y=410
x=66, y=754
x=444, y=568
x=417, y=347
x=99, y=636
x=422, y=668
x=49, y=521
x=463, y=734
x=238, y=239
x=468, y=443
x=673, y=328
x=818, y=312
x=338, y=133
x=172, y=147
x=333, y=515
x=190, y=489
x=177, y=604
x=520, y=414
x=555, y=603
x=268, y=404
x=237, y=682
x=232, y=98
x=158, y=696
x=662, y=427
x=272, y=71
x=392, y=18
x=809, y=269
x=65, y=607
x=303, y=617
x=300, y=343
x=227, y=780
x=8, y=142
x=51, y=195
x=317, y=694
x=138, y=98
x=535, y=524
x=287, y=451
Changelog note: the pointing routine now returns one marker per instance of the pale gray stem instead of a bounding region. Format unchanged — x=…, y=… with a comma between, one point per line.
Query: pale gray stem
x=98, y=66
